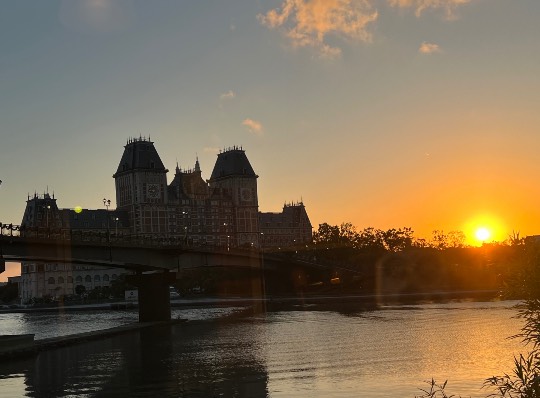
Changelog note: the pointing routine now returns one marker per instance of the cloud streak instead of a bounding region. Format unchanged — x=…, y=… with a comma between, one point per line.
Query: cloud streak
x=429, y=48
x=308, y=23
x=420, y=6
x=228, y=95
x=253, y=126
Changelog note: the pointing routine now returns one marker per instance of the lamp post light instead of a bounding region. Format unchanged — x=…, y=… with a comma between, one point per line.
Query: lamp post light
x=185, y=216
x=107, y=204
x=116, y=227
x=47, y=208
x=225, y=227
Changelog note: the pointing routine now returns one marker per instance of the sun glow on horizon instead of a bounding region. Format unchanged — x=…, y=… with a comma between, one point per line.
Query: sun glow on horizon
x=482, y=234
x=483, y=229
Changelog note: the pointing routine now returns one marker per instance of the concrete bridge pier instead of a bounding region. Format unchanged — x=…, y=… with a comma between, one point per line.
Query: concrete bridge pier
x=154, y=300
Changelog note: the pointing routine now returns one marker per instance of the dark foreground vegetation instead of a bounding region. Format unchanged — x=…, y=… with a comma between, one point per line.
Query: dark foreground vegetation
x=374, y=262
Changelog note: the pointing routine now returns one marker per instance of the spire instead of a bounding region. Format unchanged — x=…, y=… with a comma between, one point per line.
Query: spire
x=197, y=165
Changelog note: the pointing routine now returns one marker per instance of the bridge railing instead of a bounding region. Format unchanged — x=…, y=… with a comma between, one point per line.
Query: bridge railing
x=111, y=238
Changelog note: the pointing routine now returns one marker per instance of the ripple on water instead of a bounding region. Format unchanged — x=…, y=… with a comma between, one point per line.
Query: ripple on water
x=293, y=354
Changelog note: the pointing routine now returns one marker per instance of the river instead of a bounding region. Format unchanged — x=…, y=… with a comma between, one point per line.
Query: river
x=388, y=352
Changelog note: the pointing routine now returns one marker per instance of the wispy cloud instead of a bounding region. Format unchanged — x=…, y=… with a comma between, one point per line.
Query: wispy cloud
x=420, y=6
x=228, y=95
x=307, y=23
x=429, y=48
x=253, y=126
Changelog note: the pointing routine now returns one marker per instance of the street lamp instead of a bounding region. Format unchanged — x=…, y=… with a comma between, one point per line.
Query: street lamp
x=47, y=208
x=107, y=204
x=225, y=225
x=185, y=218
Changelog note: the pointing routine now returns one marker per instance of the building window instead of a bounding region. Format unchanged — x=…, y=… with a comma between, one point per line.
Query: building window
x=97, y=278
x=79, y=279
x=114, y=277
x=51, y=281
x=60, y=280
x=105, y=278
x=88, y=278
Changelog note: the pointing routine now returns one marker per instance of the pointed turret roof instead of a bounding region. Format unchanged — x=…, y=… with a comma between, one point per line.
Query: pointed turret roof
x=232, y=162
x=140, y=154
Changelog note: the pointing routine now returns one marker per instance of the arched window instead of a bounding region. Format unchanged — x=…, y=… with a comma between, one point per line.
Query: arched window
x=60, y=280
x=97, y=278
x=88, y=278
x=78, y=279
x=114, y=277
x=105, y=278
x=70, y=279
x=51, y=281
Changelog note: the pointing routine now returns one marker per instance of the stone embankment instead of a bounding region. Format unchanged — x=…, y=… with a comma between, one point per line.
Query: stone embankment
x=24, y=345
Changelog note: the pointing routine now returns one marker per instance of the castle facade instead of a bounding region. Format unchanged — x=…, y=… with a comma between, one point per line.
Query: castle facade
x=221, y=211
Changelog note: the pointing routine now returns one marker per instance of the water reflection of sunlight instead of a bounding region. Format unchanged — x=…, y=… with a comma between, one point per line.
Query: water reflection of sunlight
x=317, y=353
x=328, y=354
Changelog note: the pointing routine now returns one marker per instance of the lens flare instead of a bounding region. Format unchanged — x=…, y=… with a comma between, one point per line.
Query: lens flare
x=78, y=209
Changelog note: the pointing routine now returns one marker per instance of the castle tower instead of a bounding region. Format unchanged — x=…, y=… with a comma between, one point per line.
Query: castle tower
x=41, y=211
x=234, y=175
x=141, y=187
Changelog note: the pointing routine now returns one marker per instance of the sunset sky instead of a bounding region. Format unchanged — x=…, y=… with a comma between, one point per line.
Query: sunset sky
x=384, y=113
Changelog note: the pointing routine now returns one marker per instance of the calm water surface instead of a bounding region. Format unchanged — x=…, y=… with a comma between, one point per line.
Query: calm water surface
x=383, y=353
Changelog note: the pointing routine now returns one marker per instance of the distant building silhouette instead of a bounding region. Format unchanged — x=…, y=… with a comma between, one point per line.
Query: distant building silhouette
x=42, y=216
x=291, y=227
x=222, y=211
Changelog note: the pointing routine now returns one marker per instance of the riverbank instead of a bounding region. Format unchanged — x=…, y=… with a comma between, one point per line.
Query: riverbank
x=20, y=346
x=32, y=347
x=277, y=302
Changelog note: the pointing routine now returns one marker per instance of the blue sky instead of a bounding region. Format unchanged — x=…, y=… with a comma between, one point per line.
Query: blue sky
x=385, y=113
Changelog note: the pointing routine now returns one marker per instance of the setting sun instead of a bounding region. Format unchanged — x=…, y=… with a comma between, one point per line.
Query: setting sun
x=482, y=234
x=485, y=227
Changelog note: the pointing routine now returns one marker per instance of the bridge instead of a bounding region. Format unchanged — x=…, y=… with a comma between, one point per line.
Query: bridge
x=154, y=260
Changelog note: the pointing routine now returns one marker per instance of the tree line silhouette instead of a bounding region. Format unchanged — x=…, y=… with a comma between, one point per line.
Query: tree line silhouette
x=395, y=261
